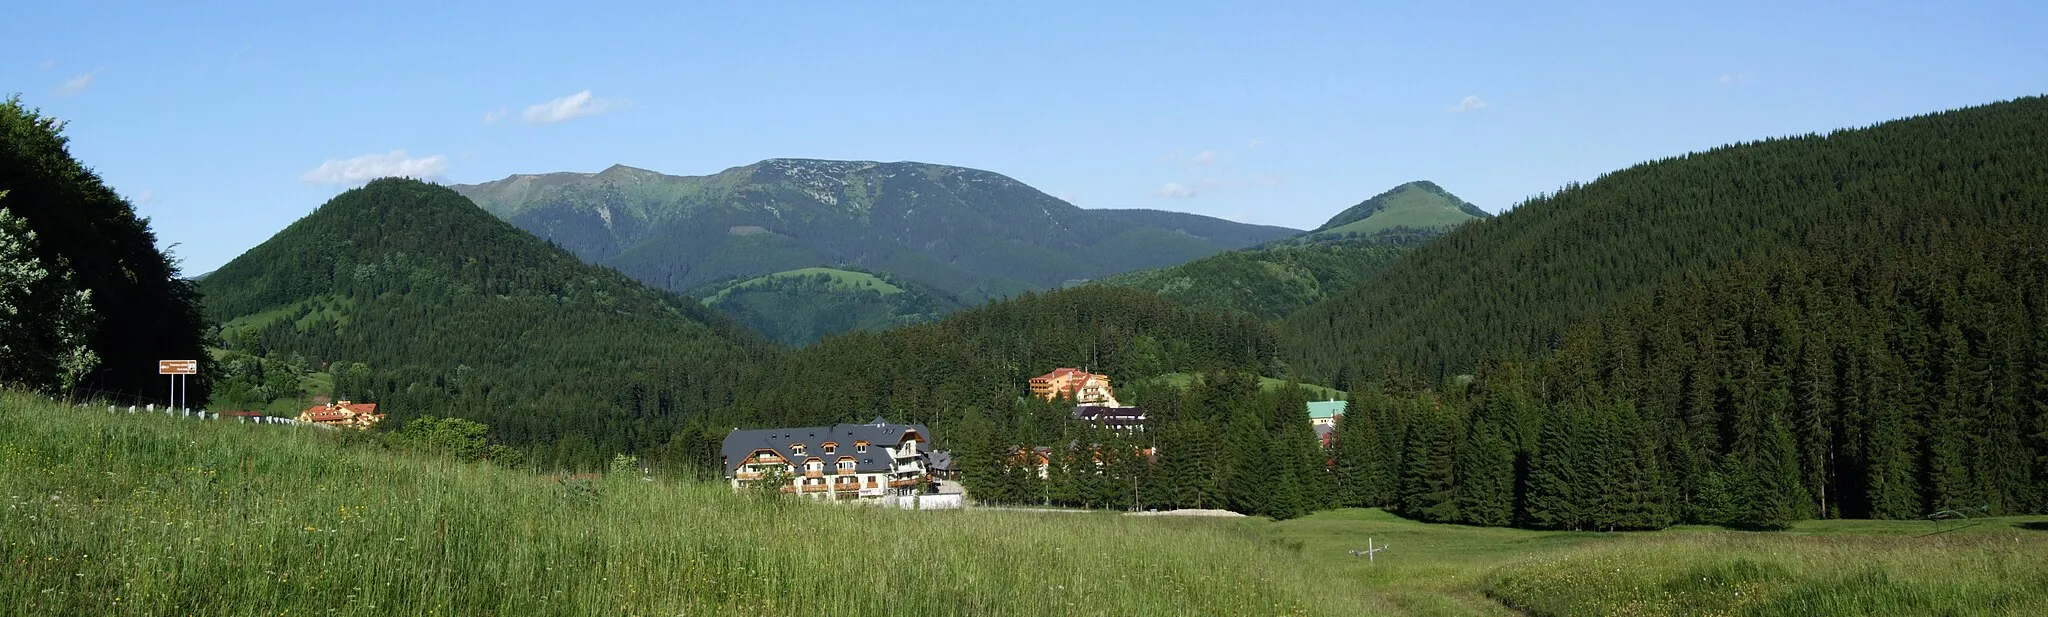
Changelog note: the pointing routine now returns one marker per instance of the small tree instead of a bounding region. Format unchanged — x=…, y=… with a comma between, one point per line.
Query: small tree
x=45, y=324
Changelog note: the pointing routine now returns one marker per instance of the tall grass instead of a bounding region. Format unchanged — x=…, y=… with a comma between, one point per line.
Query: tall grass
x=1998, y=569
x=149, y=515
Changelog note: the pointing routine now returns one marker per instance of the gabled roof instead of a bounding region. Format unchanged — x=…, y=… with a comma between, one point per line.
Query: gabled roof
x=880, y=435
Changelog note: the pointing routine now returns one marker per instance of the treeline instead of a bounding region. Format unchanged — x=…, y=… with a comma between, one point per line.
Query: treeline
x=1511, y=286
x=1893, y=381
x=982, y=358
x=1220, y=443
x=88, y=304
x=1271, y=283
x=796, y=310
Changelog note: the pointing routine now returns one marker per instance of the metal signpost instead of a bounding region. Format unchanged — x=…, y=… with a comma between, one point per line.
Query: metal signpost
x=177, y=370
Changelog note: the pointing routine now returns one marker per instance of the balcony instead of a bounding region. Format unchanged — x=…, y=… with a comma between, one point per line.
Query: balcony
x=748, y=475
x=814, y=473
x=911, y=481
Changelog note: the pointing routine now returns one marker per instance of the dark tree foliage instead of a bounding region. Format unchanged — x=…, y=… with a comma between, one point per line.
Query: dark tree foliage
x=414, y=298
x=143, y=311
x=1515, y=283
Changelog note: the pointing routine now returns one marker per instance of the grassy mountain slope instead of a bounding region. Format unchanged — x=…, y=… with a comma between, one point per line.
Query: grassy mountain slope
x=1289, y=274
x=1512, y=284
x=798, y=307
x=457, y=313
x=151, y=515
x=965, y=231
x=1419, y=205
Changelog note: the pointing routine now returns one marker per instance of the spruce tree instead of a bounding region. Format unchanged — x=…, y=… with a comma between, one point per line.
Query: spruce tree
x=1485, y=468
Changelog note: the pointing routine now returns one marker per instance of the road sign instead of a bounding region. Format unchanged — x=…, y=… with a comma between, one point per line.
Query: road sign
x=177, y=367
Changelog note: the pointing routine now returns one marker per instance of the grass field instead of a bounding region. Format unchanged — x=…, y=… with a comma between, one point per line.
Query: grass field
x=841, y=278
x=1315, y=392
x=151, y=515
x=1414, y=208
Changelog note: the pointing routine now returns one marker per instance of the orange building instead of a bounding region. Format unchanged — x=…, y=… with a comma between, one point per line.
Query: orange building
x=359, y=416
x=1082, y=386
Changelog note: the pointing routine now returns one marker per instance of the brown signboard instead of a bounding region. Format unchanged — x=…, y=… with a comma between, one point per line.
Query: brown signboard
x=177, y=367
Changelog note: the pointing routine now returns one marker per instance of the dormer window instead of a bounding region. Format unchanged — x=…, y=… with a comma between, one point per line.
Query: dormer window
x=860, y=447
x=830, y=448
x=796, y=449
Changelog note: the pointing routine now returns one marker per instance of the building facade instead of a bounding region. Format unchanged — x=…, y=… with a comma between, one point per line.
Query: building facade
x=359, y=416
x=1083, y=387
x=842, y=461
x=1325, y=413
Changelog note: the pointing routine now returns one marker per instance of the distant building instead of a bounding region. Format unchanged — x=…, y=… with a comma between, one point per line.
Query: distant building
x=1325, y=413
x=1083, y=387
x=1326, y=434
x=842, y=461
x=943, y=466
x=1116, y=418
x=359, y=416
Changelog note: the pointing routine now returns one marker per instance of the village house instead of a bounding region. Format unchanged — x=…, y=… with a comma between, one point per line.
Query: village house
x=1325, y=413
x=359, y=416
x=1083, y=387
x=842, y=461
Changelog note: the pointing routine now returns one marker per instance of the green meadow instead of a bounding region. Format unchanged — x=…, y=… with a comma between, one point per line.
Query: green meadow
x=118, y=514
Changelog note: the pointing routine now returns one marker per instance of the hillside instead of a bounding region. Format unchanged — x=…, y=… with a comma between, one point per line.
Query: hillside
x=798, y=307
x=1511, y=285
x=1288, y=274
x=412, y=297
x=1226, y=232
x=971, y=233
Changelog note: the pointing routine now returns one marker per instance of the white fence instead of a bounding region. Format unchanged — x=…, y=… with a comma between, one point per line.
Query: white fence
x=201, y=414
x=923, y=502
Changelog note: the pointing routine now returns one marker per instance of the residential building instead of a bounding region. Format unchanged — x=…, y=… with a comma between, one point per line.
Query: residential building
x=1121, y=419
x=1083, y=387
x=1325, y=413
x=359, y=416
x=842, y=461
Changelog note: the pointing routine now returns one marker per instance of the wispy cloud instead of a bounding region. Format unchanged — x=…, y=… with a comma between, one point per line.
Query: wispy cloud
x=493, y=116
x=76, y=84
x=1174, y=190
x=372, y=166
x=1471, y=103
x=567, y=108
x=1203, y=158
x=1255, y=142
x=144, y=198
x=1729, y=79
x=48, y=64
x=1068, y=197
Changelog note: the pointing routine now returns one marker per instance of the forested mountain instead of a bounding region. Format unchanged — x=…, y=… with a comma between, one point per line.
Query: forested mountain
x=972, y=233
x=1291, y=273
x=1843, y=326
x=87, y=301
x=798, y=307
x=413, y=297
x=1511, y=285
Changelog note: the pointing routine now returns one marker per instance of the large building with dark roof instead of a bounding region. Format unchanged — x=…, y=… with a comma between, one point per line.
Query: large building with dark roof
x=842, y=461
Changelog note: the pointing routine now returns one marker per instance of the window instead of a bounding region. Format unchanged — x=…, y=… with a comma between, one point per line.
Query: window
x=814, y=466
x=796, y=449
x=829, y=447
x=846, y=464
x=860, y=447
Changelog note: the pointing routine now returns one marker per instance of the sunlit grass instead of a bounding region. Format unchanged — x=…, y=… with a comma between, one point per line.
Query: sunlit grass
x=142, y=514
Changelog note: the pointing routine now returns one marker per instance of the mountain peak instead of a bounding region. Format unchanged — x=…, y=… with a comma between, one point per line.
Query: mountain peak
x=1418, y=203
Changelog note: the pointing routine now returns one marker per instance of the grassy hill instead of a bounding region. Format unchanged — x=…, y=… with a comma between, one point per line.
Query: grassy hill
x=410, y=296
x=1288, y=274
x=1222, y=231
x=798, y=307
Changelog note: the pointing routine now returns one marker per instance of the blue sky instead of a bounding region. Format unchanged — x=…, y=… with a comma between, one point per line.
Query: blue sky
x=224, y=122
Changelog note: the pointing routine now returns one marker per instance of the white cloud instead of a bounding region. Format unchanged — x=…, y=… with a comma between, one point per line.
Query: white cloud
x=1469, y=104
x=1255, y=142
x=76, y=84
x=372, y=166
x=1174, y=190
x=493, y=116
x=49, y=64
x=1729, y=78
x=144, y=198
x=566, y=108
x=1204, y=158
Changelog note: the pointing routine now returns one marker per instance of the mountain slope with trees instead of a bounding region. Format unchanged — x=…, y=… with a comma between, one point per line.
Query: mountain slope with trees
x=413, y=297
x=87, y=300
x=798, y=307
x=1511, y=285
x=1867, y=338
